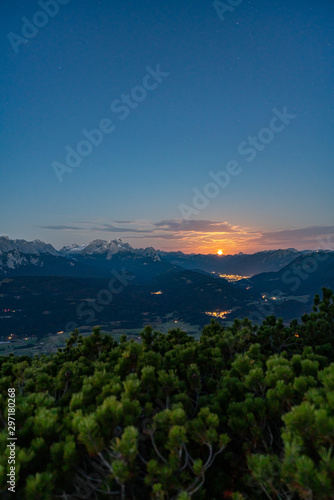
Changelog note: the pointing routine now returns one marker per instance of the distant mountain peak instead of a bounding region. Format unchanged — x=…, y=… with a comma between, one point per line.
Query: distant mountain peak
x=151, y=253
x=98, y=246
x=26, y=247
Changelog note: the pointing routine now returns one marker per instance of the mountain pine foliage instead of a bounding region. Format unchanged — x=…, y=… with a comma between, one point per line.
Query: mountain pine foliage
x=246, y=412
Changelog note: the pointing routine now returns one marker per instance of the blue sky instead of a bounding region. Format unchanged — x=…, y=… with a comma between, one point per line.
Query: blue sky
x=223, y=79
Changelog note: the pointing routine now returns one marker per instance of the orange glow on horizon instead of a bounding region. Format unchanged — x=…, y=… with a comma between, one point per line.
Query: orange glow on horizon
x=210, y=249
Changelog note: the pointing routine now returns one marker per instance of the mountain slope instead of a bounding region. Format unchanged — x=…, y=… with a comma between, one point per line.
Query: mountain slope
x=97, y=259
x=17, y=253
x=35, y=247
x=240, y=264
x=305, y=275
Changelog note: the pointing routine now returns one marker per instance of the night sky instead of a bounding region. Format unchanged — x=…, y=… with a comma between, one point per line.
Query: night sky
x=213, y=126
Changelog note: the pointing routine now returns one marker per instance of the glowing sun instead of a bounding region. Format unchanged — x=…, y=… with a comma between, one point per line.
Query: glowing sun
x=220, y=252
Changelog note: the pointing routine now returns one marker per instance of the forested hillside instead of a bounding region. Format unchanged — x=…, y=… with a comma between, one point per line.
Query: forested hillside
x=246, y=412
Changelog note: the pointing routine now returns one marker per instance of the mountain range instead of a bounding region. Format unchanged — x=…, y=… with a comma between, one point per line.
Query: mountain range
x=44, y=290
x=36, y=258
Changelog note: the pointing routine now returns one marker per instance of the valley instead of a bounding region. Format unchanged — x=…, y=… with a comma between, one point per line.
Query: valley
x=110, y=284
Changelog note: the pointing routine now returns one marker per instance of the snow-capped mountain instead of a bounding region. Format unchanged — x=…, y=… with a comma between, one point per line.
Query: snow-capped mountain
x=107, y=249
x=95, y=259
x=20, y=257
x=104, y=247
x=21, y=254
x=38, y=247
x=149, y=252
x=26, y=247
x=72, y=249
x=14, y=259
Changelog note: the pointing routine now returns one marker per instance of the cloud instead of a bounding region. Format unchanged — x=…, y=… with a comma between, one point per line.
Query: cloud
x=204, y=226
x=131, y=222
x=115, y=229
x=205, y=235
x=61, y=228
x=188, y=232
x=172, y=226
x=303, y=236
x=179, y=237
